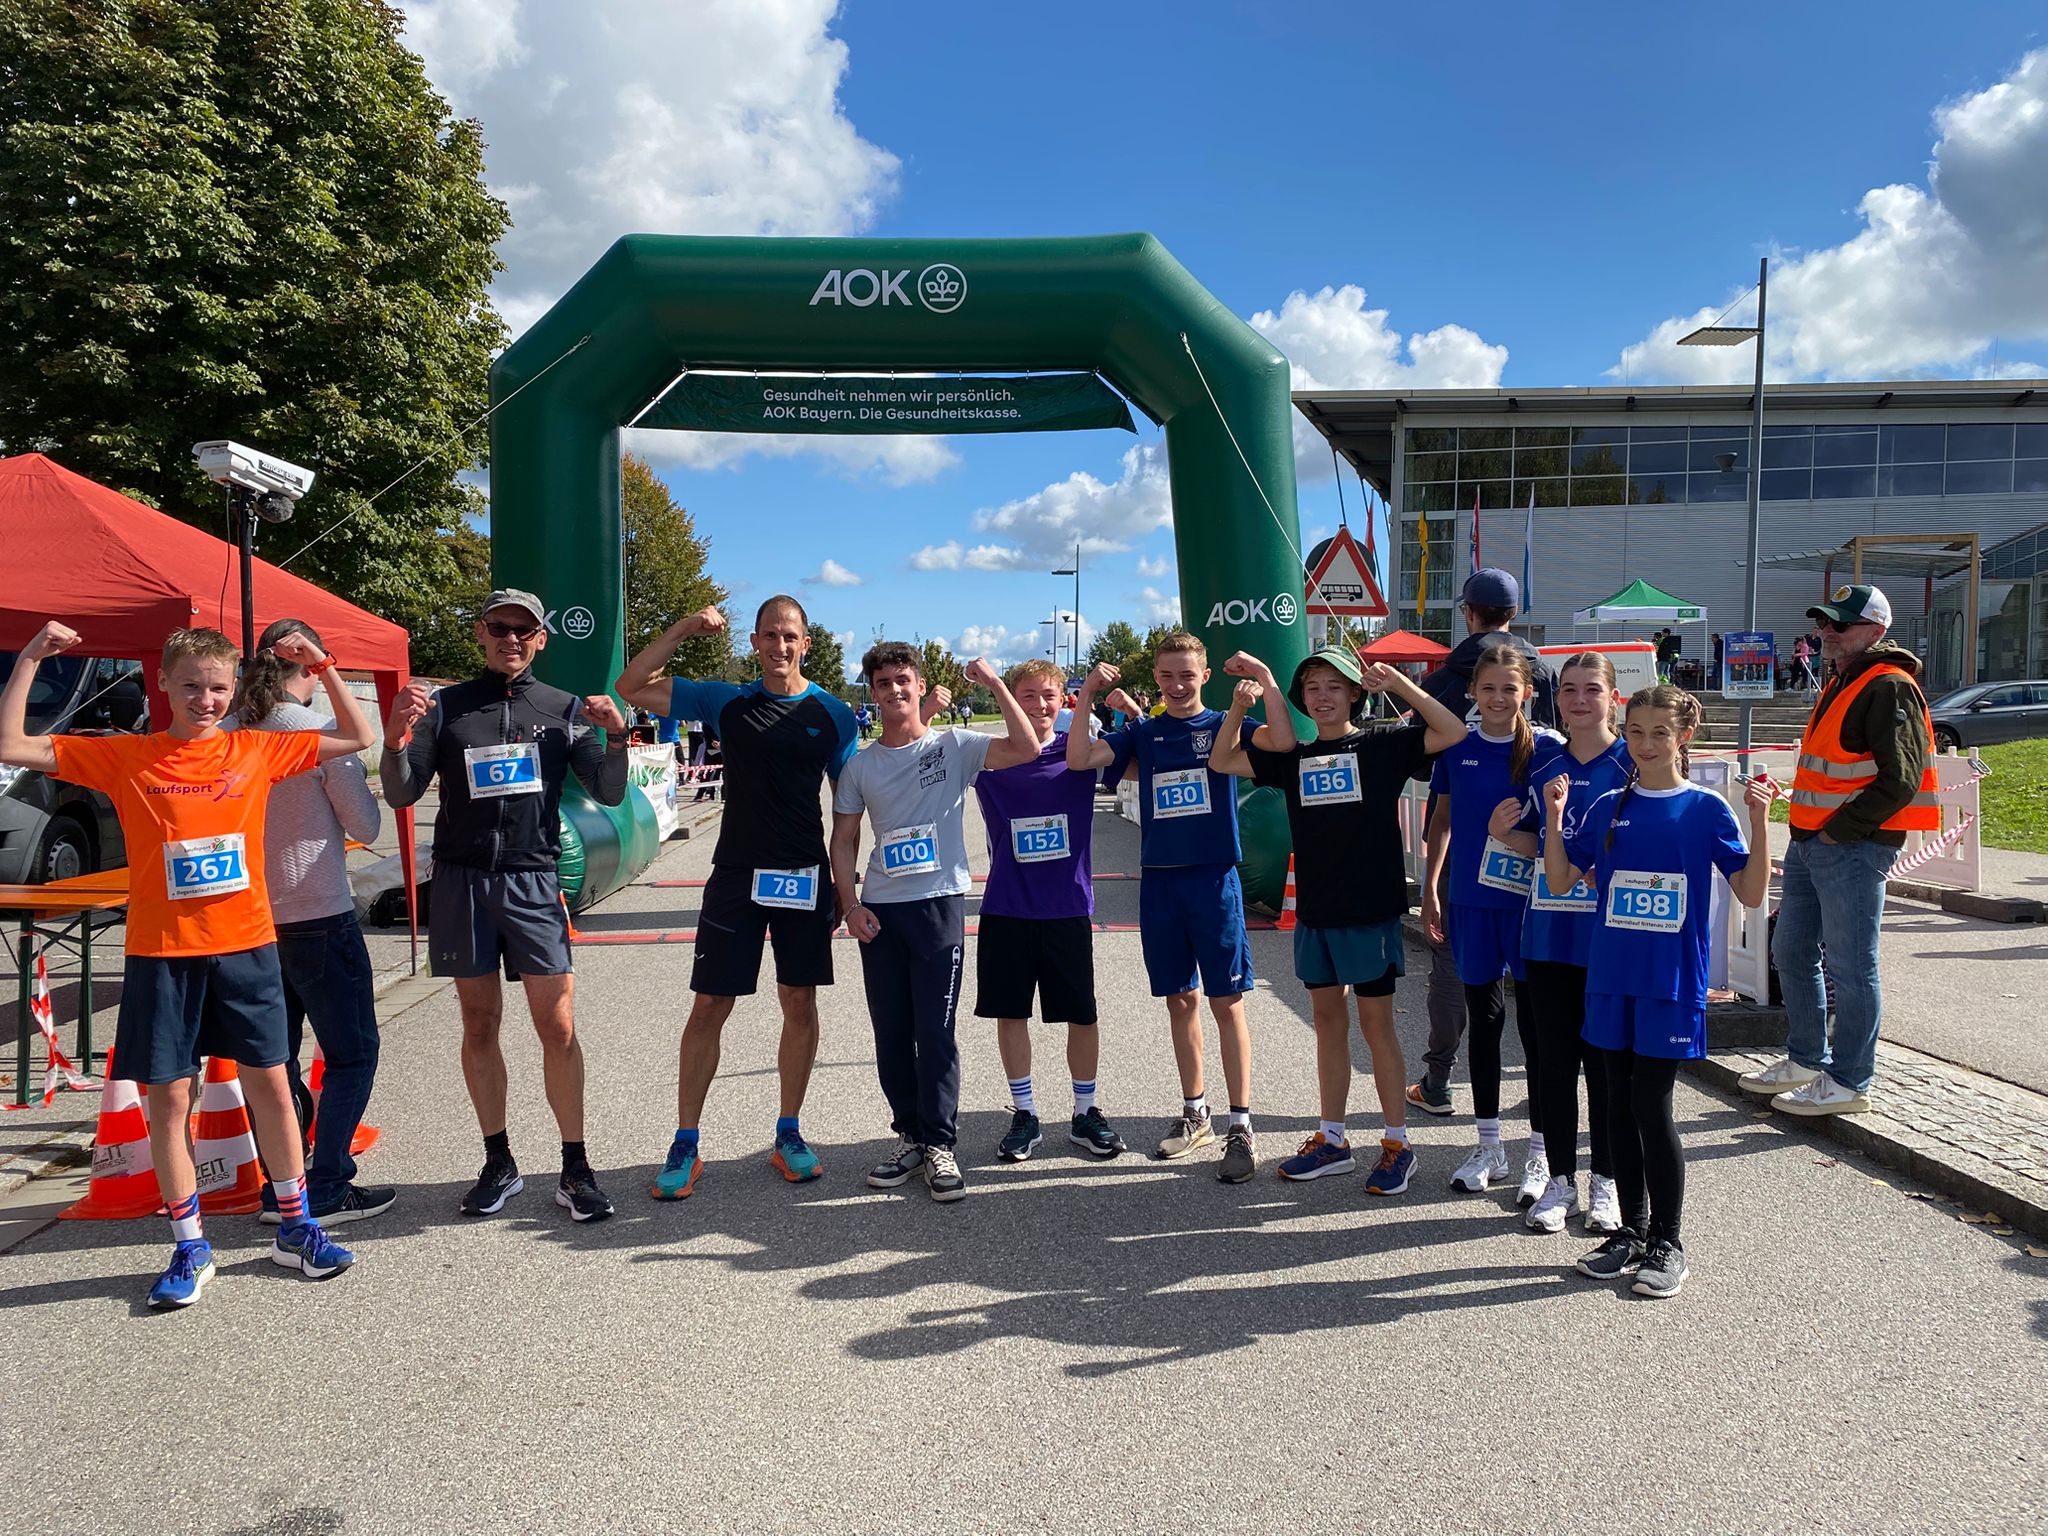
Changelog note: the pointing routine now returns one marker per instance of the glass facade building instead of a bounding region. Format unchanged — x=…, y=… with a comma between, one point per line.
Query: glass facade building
x=2012, y=615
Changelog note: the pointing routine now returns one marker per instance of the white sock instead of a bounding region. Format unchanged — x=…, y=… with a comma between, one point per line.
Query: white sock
x=1333, y=1131
x=1395, y=1133
x=1489, y=1132
x=1198, y=1108
x=1237, y=1119
x=1020, y=1094
x=1536, y=1146
x=1084, y=1095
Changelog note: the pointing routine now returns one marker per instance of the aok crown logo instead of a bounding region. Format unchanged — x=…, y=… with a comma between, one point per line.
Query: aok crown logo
x=941, y=288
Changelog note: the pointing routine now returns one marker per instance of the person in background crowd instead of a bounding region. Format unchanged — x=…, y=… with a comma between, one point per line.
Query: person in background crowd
x=1715, y=680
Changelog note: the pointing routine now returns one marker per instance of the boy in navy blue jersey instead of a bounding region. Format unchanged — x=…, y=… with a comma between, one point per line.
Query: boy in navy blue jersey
x=1190, y=902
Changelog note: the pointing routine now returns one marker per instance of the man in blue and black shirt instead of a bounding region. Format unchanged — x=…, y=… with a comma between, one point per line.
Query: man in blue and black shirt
x=771, y=878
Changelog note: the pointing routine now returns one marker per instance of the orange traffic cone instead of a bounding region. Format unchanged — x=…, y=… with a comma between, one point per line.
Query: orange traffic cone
x=570, y=918
x=1286, y=923
x=224, y=1149
x=123, y=1174
x=365, y=1136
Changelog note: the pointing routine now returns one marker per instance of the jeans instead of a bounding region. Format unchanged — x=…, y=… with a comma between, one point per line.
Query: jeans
x=327, y=979
x=1833, y=896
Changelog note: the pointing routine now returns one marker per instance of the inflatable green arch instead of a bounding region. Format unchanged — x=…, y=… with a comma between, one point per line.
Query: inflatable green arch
x=1117, y=305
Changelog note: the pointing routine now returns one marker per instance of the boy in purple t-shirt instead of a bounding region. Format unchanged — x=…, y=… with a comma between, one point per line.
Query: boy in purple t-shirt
x=1036, y=929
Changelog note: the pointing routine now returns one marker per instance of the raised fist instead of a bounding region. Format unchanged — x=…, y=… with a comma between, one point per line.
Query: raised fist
x=1248, y=693
x=1377, y=677
x=1104, y=674
x=412, y=703
x=703, y=622
x=1243, y=664
x=1556, y=792
x=53, y=639
x=297, y=649
x=980, y=672
x=601, y=709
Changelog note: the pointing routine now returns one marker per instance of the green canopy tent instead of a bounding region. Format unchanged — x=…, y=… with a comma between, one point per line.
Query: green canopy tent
x=1641, y=603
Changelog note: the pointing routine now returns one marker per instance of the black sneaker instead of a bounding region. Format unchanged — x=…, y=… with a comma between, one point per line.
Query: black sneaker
x=1621, y=1254
x=1094, y=1134
x=579, y=1195
x=1663, y=1270
x=358, y=1203
x=497, y=1183
x=1021, y=1139
x=942, y=1179
x=1240, y=1155
x=898, y=1168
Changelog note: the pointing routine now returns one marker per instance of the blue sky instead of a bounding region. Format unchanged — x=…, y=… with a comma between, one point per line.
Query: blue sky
x=1538, y=189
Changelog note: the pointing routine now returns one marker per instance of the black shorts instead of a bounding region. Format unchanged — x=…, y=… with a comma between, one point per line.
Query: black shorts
x=1052, y=956
x=732, y=926
x=177, y=1008
x=479, y=917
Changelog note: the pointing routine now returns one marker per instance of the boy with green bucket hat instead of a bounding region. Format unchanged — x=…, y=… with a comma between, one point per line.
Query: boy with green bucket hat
x=1343, y=790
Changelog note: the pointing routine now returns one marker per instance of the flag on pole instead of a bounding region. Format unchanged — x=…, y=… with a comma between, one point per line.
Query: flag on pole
x=1528, y=543
x=1475, y=530
x=1421, y=568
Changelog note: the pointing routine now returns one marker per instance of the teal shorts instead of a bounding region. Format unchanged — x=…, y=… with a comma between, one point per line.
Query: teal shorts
x=1365, y=957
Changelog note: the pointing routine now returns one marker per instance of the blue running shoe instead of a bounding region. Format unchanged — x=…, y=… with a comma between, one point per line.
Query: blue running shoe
x=678, y=1177
x=793, y=1157
x=179, y=1286
x=1316, y=1157
x=1390, y=1174
x=308, y=1249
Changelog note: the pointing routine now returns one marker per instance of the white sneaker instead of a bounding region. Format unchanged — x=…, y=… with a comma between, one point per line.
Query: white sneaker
x=1535, y=1179
x=1603, y=1210
x=1822, y=1096
x=1780, y=1075
x=1559, y=1199
x=1487, y=1165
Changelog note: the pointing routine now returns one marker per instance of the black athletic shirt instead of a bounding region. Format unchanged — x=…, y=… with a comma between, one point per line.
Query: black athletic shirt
x=1348, y=866
x=778, y=749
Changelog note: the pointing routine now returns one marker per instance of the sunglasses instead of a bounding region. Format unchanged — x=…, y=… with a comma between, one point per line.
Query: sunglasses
x=512, y=631
x=1839, y=626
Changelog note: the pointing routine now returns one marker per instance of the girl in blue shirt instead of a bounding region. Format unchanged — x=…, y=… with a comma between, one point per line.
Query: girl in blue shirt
x=1487, y=772
x=1557, y=934
x=1650, y=850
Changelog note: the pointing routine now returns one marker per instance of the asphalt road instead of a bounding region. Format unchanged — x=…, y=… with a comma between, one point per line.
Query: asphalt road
x=1122, y=1346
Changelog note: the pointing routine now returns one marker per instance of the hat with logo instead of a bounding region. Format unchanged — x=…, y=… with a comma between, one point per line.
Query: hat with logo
x=512, y=597
x=1491, y=588
x=1338, y=660
x=1855, y=605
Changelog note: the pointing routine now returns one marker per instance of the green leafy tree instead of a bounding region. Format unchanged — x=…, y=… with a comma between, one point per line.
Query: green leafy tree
x=1119, y=645
x=443, y=623
x=825, y=663
x=941, y=668
x=666, y=564
x=251, y=219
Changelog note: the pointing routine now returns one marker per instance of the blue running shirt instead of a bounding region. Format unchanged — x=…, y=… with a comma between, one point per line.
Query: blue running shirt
x=1475, y=774
x=1656, y=887
x=1548, y=934
x=1186, y=814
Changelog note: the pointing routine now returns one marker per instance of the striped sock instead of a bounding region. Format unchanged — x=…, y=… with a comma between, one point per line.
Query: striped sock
x=185, y=1219
x=291, y=1200
x=1537, y=1152
x=1084, y=1095
x=1021, y=1095
x=1489, y=1132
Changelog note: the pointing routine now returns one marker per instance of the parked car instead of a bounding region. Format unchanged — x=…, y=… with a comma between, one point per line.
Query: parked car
x=51, y=830
x=1988, y=712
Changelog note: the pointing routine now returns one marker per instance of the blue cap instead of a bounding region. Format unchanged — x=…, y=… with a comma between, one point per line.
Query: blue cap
x=1491, y=588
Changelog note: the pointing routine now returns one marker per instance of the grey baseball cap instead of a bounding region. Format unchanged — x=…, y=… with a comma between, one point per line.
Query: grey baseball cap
x=512, y=597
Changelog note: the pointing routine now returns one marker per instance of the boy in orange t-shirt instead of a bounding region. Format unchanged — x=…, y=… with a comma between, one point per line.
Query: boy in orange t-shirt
x=201, y=976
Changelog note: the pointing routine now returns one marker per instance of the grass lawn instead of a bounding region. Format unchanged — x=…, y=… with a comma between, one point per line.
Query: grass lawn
x=2014, y=800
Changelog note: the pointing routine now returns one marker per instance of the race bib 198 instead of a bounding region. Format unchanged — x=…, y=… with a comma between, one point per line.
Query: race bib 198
x=1037, y=839
x=1331, y=780
x=1653, y=903
x=793, y=888
x=1184, y=792
x=1503, y=869
x=1580, y=898
x=205, y=866
x=498, y=771
x=911, y=850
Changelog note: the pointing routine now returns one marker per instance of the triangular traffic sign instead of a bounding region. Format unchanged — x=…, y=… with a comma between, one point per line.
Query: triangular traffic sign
x=1340, y=582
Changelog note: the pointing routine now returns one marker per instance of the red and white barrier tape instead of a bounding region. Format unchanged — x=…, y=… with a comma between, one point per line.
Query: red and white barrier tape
x=59, y=1073
x=1928, y=852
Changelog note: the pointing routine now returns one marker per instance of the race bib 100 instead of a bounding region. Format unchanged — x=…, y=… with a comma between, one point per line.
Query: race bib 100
x=796, y=889
x=205, y=866
x=1184, y=792
x=1580, y=898
x=1331, y=780
x=1038, y=839
x=1503, y=869
x=498, y=771
x=911, y=850
x=1652, y=903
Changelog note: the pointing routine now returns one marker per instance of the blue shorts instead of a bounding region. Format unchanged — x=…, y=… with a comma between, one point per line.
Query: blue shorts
x=1648, y=1026
x=1366, y=957
x=1486, y=942
x=1190, y=920
x=177, y=1008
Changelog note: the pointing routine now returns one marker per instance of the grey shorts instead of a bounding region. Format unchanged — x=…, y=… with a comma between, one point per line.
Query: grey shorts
x=479, y=917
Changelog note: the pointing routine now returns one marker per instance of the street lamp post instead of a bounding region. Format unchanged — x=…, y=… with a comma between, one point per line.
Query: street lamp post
x=1074, y=571
x=1052, y=620
x=1733, y=336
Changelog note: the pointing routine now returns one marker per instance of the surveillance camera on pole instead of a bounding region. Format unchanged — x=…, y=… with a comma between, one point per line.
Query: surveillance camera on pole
x=258, y=485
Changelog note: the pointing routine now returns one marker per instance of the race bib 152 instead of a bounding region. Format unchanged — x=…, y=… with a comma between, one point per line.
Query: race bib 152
x=1038, y=839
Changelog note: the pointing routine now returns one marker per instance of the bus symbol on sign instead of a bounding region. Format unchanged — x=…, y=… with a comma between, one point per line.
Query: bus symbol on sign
x=943, y=288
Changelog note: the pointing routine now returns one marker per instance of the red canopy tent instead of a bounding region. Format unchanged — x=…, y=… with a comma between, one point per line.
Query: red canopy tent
x=1399, y=645
x=124, y=576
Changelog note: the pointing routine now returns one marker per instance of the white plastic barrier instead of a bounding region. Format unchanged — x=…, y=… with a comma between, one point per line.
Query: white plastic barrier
x=1954, y=855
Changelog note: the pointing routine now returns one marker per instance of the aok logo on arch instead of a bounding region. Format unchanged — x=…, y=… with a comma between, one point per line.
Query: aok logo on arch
x=941, y=287
x=1279, y=609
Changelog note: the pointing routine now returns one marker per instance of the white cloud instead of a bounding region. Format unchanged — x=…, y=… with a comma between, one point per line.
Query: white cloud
x=1155, y=568
x=953, y=556
x=1159, y=607
x=986, y=640
x=1103, y=517
x=895, y=460
x=1936, y=276
x=833, y=574
x=844, y=637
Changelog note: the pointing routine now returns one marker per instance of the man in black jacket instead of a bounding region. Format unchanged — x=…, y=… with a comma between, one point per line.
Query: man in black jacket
x=503, y=744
